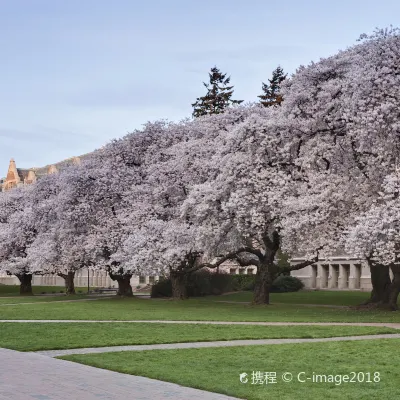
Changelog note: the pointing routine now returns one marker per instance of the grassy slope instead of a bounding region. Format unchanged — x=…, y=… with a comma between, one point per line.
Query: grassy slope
x=194, y=309
x=342, y=298
x=218, y=370
x=36, y=336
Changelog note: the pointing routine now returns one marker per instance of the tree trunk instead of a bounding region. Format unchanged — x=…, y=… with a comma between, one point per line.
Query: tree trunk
x=394, y=287
x=179, y=286
x=264, y=278
x=124, y=284
x=69, y=282
x=381, y=282
x=25, y=287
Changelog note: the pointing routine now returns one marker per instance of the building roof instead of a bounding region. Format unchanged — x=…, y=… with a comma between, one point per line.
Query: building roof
x=42, y=171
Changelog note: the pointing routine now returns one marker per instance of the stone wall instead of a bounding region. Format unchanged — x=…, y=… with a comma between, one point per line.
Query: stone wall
x=338, y=273
x=82, y=277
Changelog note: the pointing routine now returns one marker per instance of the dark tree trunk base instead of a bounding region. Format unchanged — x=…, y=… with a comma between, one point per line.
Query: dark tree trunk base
x=179, y=286
x=394, y=288
x=69, y=282
x=124, y=286
x=381, y=282
x=25, y=287
x=262, y=286
x=124, y=283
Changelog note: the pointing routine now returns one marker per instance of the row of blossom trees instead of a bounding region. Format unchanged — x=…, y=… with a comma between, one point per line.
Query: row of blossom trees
x=316, y=175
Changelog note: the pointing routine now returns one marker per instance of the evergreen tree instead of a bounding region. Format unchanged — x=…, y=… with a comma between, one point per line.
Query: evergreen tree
x=218, y=96
x=271, y=95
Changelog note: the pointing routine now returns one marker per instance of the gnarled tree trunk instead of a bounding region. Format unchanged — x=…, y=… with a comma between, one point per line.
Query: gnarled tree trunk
x=262, y=285
x=25, y=287
x=69, y=282
x=179, y=285
x=124, y=284
x=265, y=275
x=394, y=288
x=381, y=282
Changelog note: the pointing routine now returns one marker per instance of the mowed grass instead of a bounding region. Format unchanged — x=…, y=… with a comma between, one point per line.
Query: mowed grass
x=321, y=297
x=218, y=369
x=191, y=310
x=52, y=336
x=41, y=299
x=13, y=290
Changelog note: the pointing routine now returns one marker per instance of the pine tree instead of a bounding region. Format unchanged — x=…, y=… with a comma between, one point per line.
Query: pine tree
x=218, y=96
x=272, y=95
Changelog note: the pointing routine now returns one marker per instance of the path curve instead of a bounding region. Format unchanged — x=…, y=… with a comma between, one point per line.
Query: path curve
x=32, y=376
x=196, y=345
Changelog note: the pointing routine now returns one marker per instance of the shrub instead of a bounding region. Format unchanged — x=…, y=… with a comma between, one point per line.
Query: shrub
x=284, y=283
x=162, y=288
x=200, y=283
x=221, y=283
x=61, y=291
x=242, y=282
x=205, y=282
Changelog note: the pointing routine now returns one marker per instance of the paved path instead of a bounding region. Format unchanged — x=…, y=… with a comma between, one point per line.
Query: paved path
x=196, y=345
x=30, y=376
x=395, y=325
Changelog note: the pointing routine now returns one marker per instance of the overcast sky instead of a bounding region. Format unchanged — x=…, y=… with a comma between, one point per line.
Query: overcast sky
x=75, y=74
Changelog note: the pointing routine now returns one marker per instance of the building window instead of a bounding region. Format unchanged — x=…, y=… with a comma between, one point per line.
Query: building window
x=232, y=271
x=151, y=280
x=142, y=279
x=242, y=271
x=250, y=271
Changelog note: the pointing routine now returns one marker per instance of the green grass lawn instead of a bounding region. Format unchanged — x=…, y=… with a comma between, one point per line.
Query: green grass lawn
x=323, y=297
x=13, y=290
x=40, y=299
x=39, y=336
x=218, y=369
x=193, y=309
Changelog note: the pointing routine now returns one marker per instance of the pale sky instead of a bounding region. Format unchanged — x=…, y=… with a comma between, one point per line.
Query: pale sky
x=76, y=74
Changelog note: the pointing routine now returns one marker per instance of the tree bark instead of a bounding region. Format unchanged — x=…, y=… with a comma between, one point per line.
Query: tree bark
x=262, y=285
x=25, y=287
x=179, y=285
x=69, y=282
x=124, y=284
x=266, y=272
x=394, y=289
x=381, y=282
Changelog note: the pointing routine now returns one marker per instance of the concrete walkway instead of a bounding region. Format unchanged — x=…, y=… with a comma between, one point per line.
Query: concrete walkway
x=394, y=325
x=29, y=376
x=196, y=345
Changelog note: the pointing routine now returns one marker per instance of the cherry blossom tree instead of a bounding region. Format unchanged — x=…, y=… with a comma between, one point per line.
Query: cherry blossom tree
x=240, y=205
x=345, y=131
x=16, y=234
x=376, y=237
x=62, y=217
x=161, y=240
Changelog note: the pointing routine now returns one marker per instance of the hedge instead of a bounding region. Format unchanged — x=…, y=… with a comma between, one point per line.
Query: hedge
x=205, y=282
